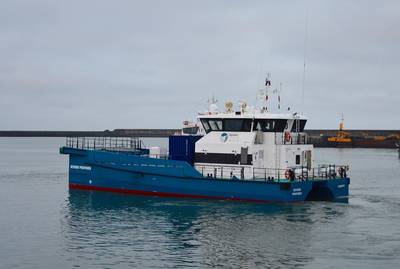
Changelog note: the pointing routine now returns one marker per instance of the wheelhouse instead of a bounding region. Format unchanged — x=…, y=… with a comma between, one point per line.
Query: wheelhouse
x=243, y=124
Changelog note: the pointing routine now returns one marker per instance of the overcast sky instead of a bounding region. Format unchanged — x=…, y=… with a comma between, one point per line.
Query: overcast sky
x=95, y=65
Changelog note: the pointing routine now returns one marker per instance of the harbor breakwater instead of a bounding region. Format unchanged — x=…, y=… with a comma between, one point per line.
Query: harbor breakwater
x=318, y=137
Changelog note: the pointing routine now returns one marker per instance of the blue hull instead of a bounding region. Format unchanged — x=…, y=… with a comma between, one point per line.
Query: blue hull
x=130, y=173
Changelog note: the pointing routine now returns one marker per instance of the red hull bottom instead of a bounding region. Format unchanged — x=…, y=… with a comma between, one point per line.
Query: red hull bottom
x=158, y=194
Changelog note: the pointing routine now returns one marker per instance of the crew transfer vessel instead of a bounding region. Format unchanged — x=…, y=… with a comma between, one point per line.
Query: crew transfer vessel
x=246, y=154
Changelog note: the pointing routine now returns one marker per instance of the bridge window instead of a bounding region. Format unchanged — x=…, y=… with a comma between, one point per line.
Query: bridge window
x=298, y=125
x=237, y=125
x=228, y=125
x=215, y=125
x=247, y=125
x=206, y=125
x=270, y=125
x=233, y=125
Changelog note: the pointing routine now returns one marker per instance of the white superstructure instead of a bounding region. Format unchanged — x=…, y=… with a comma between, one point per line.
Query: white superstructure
x=252, y=143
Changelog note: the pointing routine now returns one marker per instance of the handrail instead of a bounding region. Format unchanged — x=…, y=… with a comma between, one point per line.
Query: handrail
x=105, y=143
x=298, y=173
x=293, y=139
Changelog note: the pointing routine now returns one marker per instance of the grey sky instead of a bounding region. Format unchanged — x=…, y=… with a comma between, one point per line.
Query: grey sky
x=94, y=65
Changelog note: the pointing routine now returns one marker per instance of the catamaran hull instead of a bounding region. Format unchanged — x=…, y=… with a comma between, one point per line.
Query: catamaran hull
x=132, y=174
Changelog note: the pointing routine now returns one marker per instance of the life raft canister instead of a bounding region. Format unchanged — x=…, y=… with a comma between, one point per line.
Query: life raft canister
x=287, y=136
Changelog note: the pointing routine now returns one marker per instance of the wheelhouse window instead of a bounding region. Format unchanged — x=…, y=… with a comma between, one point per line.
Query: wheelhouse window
x=234, y=125
x=298, y=125
x=205, y=125
x=270, y=125
x=246, y=127
x=228, y=125
x=215, y=124
x=237, y=125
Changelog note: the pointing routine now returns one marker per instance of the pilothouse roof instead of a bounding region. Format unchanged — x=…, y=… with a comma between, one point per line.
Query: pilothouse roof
x=250, y=115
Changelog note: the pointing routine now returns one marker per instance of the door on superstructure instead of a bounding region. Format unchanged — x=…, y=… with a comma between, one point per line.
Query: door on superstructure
x=293, y=157
x=243, y=155
x=308, y=159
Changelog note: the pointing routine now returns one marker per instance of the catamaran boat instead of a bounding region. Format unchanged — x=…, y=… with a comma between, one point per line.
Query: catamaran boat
x=245, y=154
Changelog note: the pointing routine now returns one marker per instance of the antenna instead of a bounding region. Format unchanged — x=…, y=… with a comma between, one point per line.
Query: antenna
x=304, y=59
x=279, y=96
x=212, y=105
x=212, y=100
x=267, y=86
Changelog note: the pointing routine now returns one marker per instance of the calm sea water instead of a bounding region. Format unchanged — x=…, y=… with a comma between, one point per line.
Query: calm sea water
x=44, y=225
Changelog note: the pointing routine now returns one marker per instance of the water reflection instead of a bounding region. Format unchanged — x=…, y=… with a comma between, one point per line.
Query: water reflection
x=158, y=232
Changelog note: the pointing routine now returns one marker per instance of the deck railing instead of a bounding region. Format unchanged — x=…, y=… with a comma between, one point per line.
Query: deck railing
x=299, y=173
x=292, y=139
x=105, y=143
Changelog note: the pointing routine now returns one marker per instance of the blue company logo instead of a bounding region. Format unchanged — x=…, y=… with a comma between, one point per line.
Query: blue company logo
x=224, y=137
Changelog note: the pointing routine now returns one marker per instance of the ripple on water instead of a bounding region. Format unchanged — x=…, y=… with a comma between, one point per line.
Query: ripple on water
x=43, y=225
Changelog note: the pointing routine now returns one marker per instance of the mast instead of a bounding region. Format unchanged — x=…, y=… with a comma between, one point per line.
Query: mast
x=304, y=59
x=267, y=86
